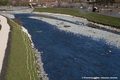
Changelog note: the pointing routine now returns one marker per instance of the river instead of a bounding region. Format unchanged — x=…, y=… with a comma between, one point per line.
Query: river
x=68, y=56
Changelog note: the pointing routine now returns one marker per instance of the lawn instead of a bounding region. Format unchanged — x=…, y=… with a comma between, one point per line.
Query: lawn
x=94, y=17
x=21, y=61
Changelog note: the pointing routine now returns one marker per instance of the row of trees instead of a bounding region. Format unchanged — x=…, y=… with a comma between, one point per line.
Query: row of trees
x=100, y=1
x=4, y=2
x=106, y=2
x=15, y=2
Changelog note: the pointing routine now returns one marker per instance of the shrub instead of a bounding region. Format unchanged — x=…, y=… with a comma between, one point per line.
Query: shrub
x=0, y=26
x=4, y=2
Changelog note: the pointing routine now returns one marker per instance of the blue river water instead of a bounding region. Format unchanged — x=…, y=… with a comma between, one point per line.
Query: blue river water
x=67, y=56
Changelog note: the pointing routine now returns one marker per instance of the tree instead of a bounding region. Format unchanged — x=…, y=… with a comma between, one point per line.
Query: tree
x=105, y=2
x=4, y=2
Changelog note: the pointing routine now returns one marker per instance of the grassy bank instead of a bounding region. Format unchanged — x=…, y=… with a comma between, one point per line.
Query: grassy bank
x=94, y=17
x=21, y=61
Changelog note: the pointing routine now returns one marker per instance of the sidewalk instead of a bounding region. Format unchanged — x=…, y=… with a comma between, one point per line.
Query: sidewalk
x=4, y=35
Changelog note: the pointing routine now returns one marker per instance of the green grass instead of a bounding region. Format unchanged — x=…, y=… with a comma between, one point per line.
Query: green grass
x=69, y=11
x=21, y=61
x=94, y=17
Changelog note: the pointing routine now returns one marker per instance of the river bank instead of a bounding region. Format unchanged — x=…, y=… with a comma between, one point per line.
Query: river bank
x=81, y=26
x=90, y=16
x=21, y=60
x=39, y=64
